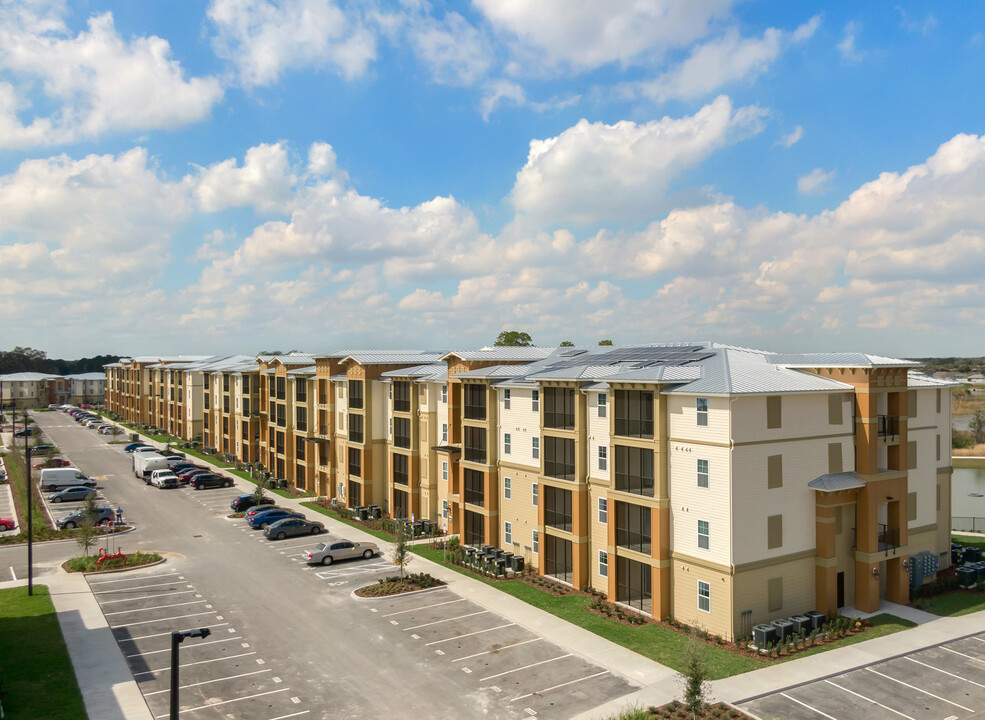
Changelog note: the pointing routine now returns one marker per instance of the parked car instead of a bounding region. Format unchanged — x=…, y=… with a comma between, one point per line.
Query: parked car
x=7, y=523
x=133, y=446
x=292, y=527
x=209, y=480
x=187, y=475
x=24, y=432
x=163, y=479
x=245, y=502
x=262, y=508
x=102, y=516
x=42, y=448
x=52, y=463
x=72, y=494
x=327, y=553
x=263, y=519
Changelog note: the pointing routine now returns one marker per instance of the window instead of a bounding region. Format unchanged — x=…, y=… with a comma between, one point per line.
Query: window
x=506, y=399
x=507, y=488
x=355, y=393
x=475, y=493
x=702, y=473
x=603, y=457
x=557, y=561
x=301, y=419
x=506, y=443
x=401, y=432
x=938, y=448
x=911, y=401
x=355, y=463
x=444, y=470
x=834, y=409
x=301, y=390
x=475, y=402
x=401, y=396
x=557, y=508
x=774, y=472
x=704, y=596
x=444, y=509
x=559, y=458
x=535, y=400
x=938, y=401
x=444, y=432
x=533, y=495
x=774, y=531
x=834, y=458
x=508, y=533
x=634, y=413
x=911, y=454
x=704, y=537
x=475, y=444
x=634, y=470
x=355, y=428
x=536, y=542
x=401, y=469
x=444, y=394
x=774, y=412
x=701, y=406
x=633, y=527
x=603, y=510
x=603, y=563
x=281, y=388
x=911, y=506
x=603, y=404
x=559, y=408
x=535, y=447
x=299, y=447
x=633, y=584
x=774, y=591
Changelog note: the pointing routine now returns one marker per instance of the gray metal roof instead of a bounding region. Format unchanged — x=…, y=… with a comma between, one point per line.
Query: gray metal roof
x=921, y=380
x=28, y=377
x=494, y=372
x=87, y=376
x=434, y=372
x=394, y=357
x=310, y=370
x=843, y=359
x=290, y=359
x=834, y=482
x=505, y=353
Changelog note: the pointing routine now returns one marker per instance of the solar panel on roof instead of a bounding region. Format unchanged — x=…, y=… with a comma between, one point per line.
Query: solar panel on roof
x=571, y=353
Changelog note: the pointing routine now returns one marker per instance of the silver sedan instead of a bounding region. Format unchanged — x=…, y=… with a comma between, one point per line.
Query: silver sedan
x=71, y=494
x=327, y=553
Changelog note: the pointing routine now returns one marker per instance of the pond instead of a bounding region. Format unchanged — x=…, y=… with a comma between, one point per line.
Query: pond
x=968, y=499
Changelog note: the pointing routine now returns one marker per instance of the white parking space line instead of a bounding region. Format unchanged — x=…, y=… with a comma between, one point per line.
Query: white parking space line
x=156, y=607
x=176, y=617
x=555, y=687
x=139, y=587
x=524, y=667
x=163, y=634
x=426, y=607
x=918, y=662
x=858, y=695
x=13, y=575
x=200, y=662
x=458, y=637
x=812, y=709
x=96, y=583
x=223, y=702
x=284, y=717
x=438, y=622
x=497, y=650
x=970, y=657
x=208, y=682
x=148, y=597
x=374, y=567
x=919, y=690
x=189, y=648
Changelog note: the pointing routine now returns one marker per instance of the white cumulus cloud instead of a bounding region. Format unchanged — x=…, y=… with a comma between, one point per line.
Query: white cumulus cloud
x=815, y=182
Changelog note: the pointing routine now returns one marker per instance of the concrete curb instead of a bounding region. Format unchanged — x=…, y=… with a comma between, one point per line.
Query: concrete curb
x=111, y=571
x=403, y=594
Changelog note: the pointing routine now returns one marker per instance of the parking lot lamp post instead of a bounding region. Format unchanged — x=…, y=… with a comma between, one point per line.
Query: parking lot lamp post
x=30, y=524
x=177, y=636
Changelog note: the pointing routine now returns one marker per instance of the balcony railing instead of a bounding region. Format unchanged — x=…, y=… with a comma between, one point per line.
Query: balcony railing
x=888, y=426
x=887, y=538
x=323, y=430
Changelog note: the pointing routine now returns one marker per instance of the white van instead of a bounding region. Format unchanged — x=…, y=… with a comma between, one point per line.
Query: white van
x=145, y=463
x=60, y=478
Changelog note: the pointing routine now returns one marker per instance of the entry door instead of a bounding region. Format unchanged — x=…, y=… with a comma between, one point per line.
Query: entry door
x=841, y=589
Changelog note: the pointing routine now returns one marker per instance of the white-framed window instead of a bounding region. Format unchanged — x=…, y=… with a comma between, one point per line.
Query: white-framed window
x=390, y=390
x=444, y=394
x=702, y=473
x=508, y=533
x=506, y=399
x=704, y=596
x=535, y=447
x=444, y=509
x=701, y=405
x=704, y=535
x=603, y=510
x=507, y=488
x=444, y=432
x=506, y=443
x=391, y=427
x=603, y=563
x=444, y=470
x=536, y=538
x=534, y=494
x=603, y=457
x=535, y=400
x=603, y=404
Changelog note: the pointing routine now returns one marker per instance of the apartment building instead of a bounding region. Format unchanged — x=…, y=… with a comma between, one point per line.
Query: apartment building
x=231, y=415
x=31, y=390
x=135, y=389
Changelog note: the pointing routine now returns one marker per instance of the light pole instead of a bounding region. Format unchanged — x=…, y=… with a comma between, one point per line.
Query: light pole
x=177, y=636
x=30, y=523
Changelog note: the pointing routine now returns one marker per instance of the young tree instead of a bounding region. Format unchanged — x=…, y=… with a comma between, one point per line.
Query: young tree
x=513, y=338
x=401, y=551
x=977, y=425
x=694, y=675
x=261, y=490
x=87, y=528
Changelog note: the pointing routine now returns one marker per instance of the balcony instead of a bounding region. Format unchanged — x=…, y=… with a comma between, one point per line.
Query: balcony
x=888, y=428
x=887, y=538
x=323, y=430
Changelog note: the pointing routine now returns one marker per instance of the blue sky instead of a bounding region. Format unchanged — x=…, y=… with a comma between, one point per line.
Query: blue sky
x=249, y=174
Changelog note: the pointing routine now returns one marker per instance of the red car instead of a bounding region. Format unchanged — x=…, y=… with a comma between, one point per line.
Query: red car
x=53, y=462
x=7, y=524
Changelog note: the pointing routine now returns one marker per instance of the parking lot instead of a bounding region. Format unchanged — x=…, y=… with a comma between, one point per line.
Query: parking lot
x=515, y=669
x=224, y=676
x=7, y=509
x=946, y=681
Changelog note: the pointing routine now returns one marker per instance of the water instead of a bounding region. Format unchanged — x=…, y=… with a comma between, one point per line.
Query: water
x=965, y=481
x=961, y=422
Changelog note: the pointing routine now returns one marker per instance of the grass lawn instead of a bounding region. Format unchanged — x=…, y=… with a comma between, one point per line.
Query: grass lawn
x=35, y=669
x=15, y=466
x=384, y=536
x=978, y=542
x=960, y=602
x=962, y=462
x=654, y=641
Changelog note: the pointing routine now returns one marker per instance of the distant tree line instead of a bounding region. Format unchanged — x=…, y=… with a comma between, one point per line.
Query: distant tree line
x=25, y=359
x=952, y=364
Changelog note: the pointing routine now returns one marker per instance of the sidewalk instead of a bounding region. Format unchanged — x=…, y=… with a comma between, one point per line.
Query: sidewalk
x=108, y=689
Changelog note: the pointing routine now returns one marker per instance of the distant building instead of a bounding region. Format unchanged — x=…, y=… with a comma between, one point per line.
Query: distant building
x=32, y=390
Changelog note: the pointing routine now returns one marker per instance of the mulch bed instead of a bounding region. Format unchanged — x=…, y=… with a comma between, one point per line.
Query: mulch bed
x=676, y=710
x=395, y=585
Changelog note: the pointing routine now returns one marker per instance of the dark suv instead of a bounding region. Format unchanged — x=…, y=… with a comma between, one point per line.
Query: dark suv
x=245, y=502
x=210, y=480
x=103, y=516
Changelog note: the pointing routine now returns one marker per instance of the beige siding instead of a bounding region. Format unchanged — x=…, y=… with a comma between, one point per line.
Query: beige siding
x=522, y=424
x=683, y=423
x=519, y=509
x=598, y=434
x=752, y=590
x=685, y=597
x=802, y=415
x=922, y=478
x=690, y=503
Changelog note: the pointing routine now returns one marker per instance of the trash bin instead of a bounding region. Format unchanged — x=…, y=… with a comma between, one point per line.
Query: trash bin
x=763, y=635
